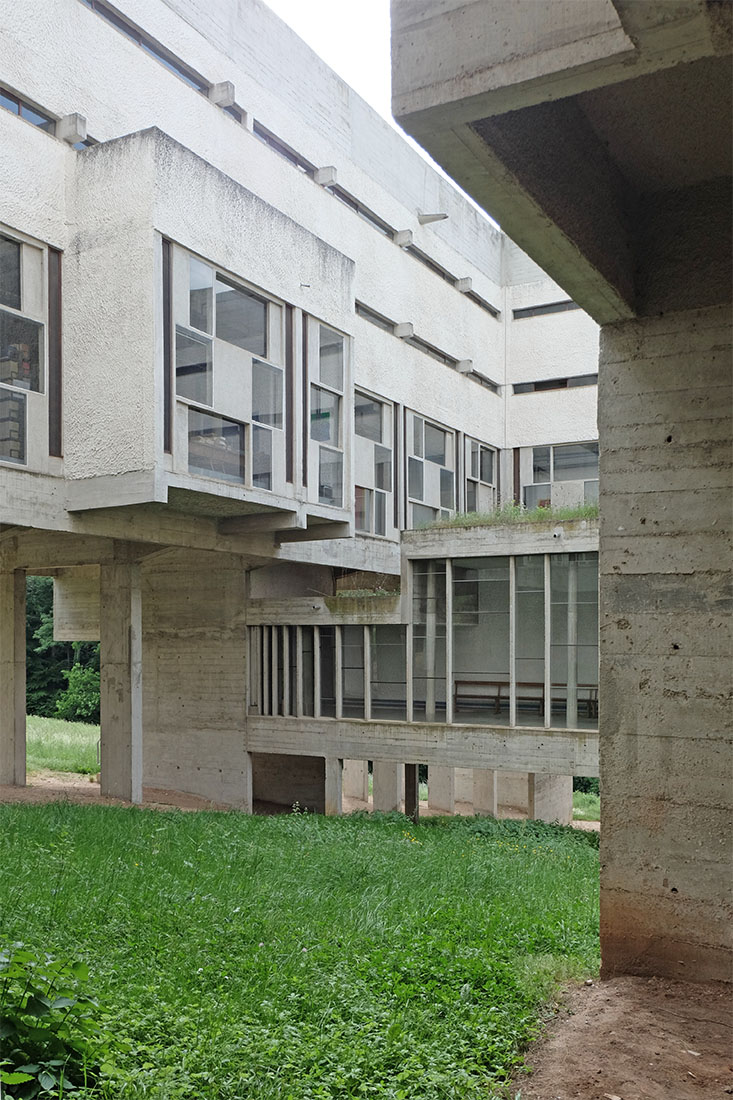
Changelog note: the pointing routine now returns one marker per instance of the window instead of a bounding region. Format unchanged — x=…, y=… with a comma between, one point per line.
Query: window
x=538, y=311
x=541, y=469
x=368, y=417
x=435, y=444
x=326, y=404
x=21, y=352
x=363, y=211
x=362, y=508
x=24, y=110
x=331, y=358
x=563, y=462
x=382, y=468
x=193, y=367
x=282, y=149
x=447, y=499
x=215, y=446
x=241, y=317
x=414, y=479
x=201, y=295
x=261, y=457
x=267, y=394
x=572, y=382
x=9, y=272
x=575, y=462
x=325, y=415
x=374, y=318
x=330, y=477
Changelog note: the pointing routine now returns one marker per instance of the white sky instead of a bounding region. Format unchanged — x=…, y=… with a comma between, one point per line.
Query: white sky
x=352, y=38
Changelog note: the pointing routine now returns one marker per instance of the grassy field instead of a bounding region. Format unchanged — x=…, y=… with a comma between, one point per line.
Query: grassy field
x=61, y=746
x=586, y=807
x=301, y=957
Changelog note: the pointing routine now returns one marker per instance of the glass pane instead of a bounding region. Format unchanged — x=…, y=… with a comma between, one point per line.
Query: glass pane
x=241, y=317
x=368, y=417
x=215, y=446
x=530, y=639
x=327, y=654
x=435, y=444
x=422, y=515
x=352, y=668
x=12, y=426
x=537, y=496
x=330, y=477
x=417, y=436
x=362, y=508
x=43, y=122
x=590, y=492
x=574, y=640
x=446, y=489
x=267, y=394
x=540, y=464
x=487, y=465
x=389, y=672
x=9, y=102
x=201, y=295
x=380, y=514
x=9, y=273
x=474, y=459
x=414, y=479
x=261, y=457
x=331, y=357
x=481, y=640
x=20, y=351
x=575, y=462
x=428, y=634
x=471, y=498
x=383, y=468
x=325, y=416
x=193, y=367
x=307, y=669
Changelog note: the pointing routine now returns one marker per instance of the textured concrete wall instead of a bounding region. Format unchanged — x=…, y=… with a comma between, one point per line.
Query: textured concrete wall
x=666, y=646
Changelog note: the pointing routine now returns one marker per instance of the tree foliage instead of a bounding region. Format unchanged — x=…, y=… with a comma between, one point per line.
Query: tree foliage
x=62, y=678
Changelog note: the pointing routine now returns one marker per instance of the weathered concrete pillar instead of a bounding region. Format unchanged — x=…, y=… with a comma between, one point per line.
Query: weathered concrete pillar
x=12, y=676
x=387, y=779
x=484, y=791
x=356, y=780
x=464, y=785
x=442, y=789
x=550, y=798
x=512, y=793
x=665, y=719
x=120, y=666
x=333, y=786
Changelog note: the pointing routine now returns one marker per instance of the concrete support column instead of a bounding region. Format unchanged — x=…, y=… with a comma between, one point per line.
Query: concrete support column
x=442, y=789
x=412, y=792
x=463, y=789
x=12, y=677
x=550, y=798
x=356, y=780
x=484, y=792
x=121, y=681
x=387, y=785
x=333, y=786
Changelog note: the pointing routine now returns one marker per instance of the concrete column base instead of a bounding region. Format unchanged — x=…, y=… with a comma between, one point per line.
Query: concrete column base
x=550, y=798
x=120, y=664
x=442, y=789
x=387, y=780
x=333, y=786
x=355, y=780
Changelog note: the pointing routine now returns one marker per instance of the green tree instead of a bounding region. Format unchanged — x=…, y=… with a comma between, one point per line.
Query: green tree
x=49, y=663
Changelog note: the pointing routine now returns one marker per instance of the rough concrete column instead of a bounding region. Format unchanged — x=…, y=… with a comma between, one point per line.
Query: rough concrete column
x=484, y=791
x=333, y=786
x=665, y=719
x=442, y=789
x=464, y=785
x=12, y=677
x=120, y=666
x=356, y=780
x=512, y=793
x=387, y=779
x=550, y=798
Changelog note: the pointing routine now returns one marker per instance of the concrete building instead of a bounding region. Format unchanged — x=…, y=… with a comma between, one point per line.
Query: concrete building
x=599, y=134
x=247, y=337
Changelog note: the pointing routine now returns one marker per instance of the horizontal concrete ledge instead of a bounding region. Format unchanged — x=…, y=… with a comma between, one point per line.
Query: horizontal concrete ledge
x=547, y=752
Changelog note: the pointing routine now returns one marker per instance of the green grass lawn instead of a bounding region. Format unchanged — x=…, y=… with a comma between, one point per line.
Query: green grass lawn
x=586, y=807
x=61, y=746
x=302, y=957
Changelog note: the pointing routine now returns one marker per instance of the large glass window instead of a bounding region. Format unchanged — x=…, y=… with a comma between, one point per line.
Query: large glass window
x=193, y=367
x=241, y=317
x=267, y=394
x=9, y=273
x=446, y=489
x=352, y=671
x=331, y=357
x=362, y=509
x=428, y=634
x=261, y=457
x=21, y=350
x=541, y=471
x=201, y=295
x=330, y=477
x=382, y=468
x=389, y=672
x=414, y=479
x=12, y=426
x=215, y=446
x=575, y=462
x=325, y=415
x=435, y=441
x=368, y=417
x=574, y=639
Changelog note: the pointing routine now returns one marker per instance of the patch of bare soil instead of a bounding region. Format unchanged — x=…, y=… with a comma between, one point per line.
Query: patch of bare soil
x=635, y=1039
x=48, y=786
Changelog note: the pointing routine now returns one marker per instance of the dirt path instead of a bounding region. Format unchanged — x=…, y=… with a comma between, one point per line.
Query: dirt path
x=635, y=1039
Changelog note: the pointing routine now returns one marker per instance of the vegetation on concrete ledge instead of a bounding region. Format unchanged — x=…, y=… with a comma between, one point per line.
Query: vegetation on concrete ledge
x=301, y=956
x=516, y=513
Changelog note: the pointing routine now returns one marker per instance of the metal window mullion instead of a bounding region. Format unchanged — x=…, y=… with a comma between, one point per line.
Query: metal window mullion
x=316, y=672
x=548, y=643
x=512, y=642
x=367, y=673
x=339, y=670
x=449, y=640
